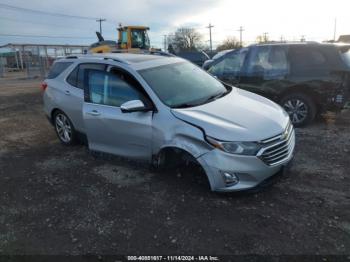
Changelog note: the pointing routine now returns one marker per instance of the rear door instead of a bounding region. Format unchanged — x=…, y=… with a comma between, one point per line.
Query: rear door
x=345, y=56
x=266, y=70
x=321, y=71
x=109, y=129
x=74, y=93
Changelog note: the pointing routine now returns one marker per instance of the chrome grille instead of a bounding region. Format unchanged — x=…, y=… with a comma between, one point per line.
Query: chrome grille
x=278, y=149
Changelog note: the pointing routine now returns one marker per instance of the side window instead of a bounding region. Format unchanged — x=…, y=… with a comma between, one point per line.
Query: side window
x=230, y=64
x=258, y=61
x=111, y=89
x=72, y=79
x=81, y=72
x=306, y=60
x=124, y=37
x=269, y=62
x=57, y=69
x=278, y=61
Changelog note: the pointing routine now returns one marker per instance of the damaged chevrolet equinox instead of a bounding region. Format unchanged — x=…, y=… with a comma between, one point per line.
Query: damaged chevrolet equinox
x=156, y=108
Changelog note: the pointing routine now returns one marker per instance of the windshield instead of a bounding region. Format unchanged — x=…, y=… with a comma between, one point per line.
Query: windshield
x=346, y=57
x=139, y=39
x=221, y=53
x=183, y=84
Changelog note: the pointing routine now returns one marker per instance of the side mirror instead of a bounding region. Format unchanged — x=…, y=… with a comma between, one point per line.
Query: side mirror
x=133, y=106
x=206, y=65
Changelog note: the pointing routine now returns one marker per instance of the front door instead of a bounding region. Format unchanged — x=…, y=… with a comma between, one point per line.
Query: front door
x=228, y=67
x=108, y=129
x=265, y=70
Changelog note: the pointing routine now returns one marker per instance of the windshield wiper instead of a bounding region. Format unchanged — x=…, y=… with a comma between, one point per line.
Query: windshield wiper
x=206, y=100
x=185, y=105
x=213, y=97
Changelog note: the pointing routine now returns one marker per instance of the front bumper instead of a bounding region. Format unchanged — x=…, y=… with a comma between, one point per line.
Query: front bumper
x=250, y=170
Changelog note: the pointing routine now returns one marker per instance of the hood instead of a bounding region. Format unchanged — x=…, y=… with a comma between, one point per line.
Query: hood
x=238, y=116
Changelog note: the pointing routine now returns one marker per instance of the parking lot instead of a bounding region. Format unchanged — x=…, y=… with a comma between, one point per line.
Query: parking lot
x=65, y=200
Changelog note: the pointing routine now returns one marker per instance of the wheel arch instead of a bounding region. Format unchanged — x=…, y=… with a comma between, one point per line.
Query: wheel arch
x=301, y=89
x=176, y=156
x=53, y=112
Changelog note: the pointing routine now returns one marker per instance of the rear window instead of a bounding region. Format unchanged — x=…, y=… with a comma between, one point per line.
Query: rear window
x=57, y=69
x=73, y=77
x=76, y=77
x=308, y=60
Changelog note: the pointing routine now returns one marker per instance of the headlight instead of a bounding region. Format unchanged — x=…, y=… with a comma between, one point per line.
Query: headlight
x=239, y=148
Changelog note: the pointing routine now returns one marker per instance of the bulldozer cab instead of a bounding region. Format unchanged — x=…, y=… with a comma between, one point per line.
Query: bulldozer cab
x=133, y=37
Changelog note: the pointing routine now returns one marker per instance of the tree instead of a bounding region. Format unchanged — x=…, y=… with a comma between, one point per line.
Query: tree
x=171, y=49
x=186, y=39
x=228, y=43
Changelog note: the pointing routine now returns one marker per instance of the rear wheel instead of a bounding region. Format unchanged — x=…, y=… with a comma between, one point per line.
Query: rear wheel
x=64, y=128
x=300, y=108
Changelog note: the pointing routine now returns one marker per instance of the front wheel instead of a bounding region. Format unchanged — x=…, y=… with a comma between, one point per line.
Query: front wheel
x=64, y=128
x=300, y=108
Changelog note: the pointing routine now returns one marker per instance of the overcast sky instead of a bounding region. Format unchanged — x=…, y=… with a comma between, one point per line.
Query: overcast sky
x=288, y=18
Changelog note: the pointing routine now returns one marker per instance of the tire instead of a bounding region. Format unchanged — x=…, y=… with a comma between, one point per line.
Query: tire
x=64, y=129
x=164, y=162
x=300, y=107
x=171, y=160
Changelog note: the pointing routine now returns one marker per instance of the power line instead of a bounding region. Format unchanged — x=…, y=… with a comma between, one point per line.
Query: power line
x=100, y=21
x=37, y=23
x=28, y=10
x=241, y=29
x=47, y=36
x=210, y=26
x=165, y=42
x=335, y=29
x=265, y=36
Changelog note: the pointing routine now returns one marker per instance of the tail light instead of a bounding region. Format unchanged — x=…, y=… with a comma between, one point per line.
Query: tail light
x=43, y=86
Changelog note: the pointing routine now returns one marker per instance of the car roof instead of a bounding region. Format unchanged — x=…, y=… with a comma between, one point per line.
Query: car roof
x=297, y=43
x=135, y=61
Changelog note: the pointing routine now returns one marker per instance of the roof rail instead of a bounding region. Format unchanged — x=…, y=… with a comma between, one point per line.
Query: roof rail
x=144, y=52
x=161, y=53
x=72, y=57
x=114, y=59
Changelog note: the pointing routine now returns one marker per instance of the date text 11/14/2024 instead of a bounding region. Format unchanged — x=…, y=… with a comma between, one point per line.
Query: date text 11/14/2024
x=173, y=258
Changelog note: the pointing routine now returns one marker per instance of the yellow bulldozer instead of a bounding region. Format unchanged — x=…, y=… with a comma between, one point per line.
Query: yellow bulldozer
x=132, y=39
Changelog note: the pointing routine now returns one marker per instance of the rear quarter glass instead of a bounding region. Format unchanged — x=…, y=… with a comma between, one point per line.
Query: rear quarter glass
x=57, y=69
x=346, y=57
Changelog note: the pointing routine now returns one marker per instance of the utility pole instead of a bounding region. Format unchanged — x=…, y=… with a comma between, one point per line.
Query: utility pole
x=165, y=38
x=265, y=36
x=241, y=29
x=211, y=43
x=335, y=29
x=100, y=21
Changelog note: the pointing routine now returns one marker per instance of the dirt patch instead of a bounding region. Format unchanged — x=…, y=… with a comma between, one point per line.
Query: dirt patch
x=122, y=176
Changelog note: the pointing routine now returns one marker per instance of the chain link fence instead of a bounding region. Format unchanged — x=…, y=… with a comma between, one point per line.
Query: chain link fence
x=33, y=61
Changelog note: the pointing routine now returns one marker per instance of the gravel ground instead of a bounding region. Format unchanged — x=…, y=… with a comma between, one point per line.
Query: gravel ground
x=61, y=200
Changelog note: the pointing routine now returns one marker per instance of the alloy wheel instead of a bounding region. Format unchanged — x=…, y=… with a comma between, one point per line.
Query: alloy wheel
x=63, y=128
x=297, y=110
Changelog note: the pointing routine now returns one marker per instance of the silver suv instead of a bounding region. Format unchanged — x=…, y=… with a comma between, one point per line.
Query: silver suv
x=165, y=109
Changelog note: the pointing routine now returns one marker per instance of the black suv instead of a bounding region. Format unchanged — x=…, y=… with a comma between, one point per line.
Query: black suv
x=305, y=78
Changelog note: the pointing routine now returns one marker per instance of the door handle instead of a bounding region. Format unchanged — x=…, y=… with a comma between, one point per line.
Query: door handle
x=94, y=113
x=67, y=92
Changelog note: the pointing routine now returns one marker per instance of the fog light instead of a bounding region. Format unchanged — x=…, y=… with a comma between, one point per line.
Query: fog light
x=230, y=178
